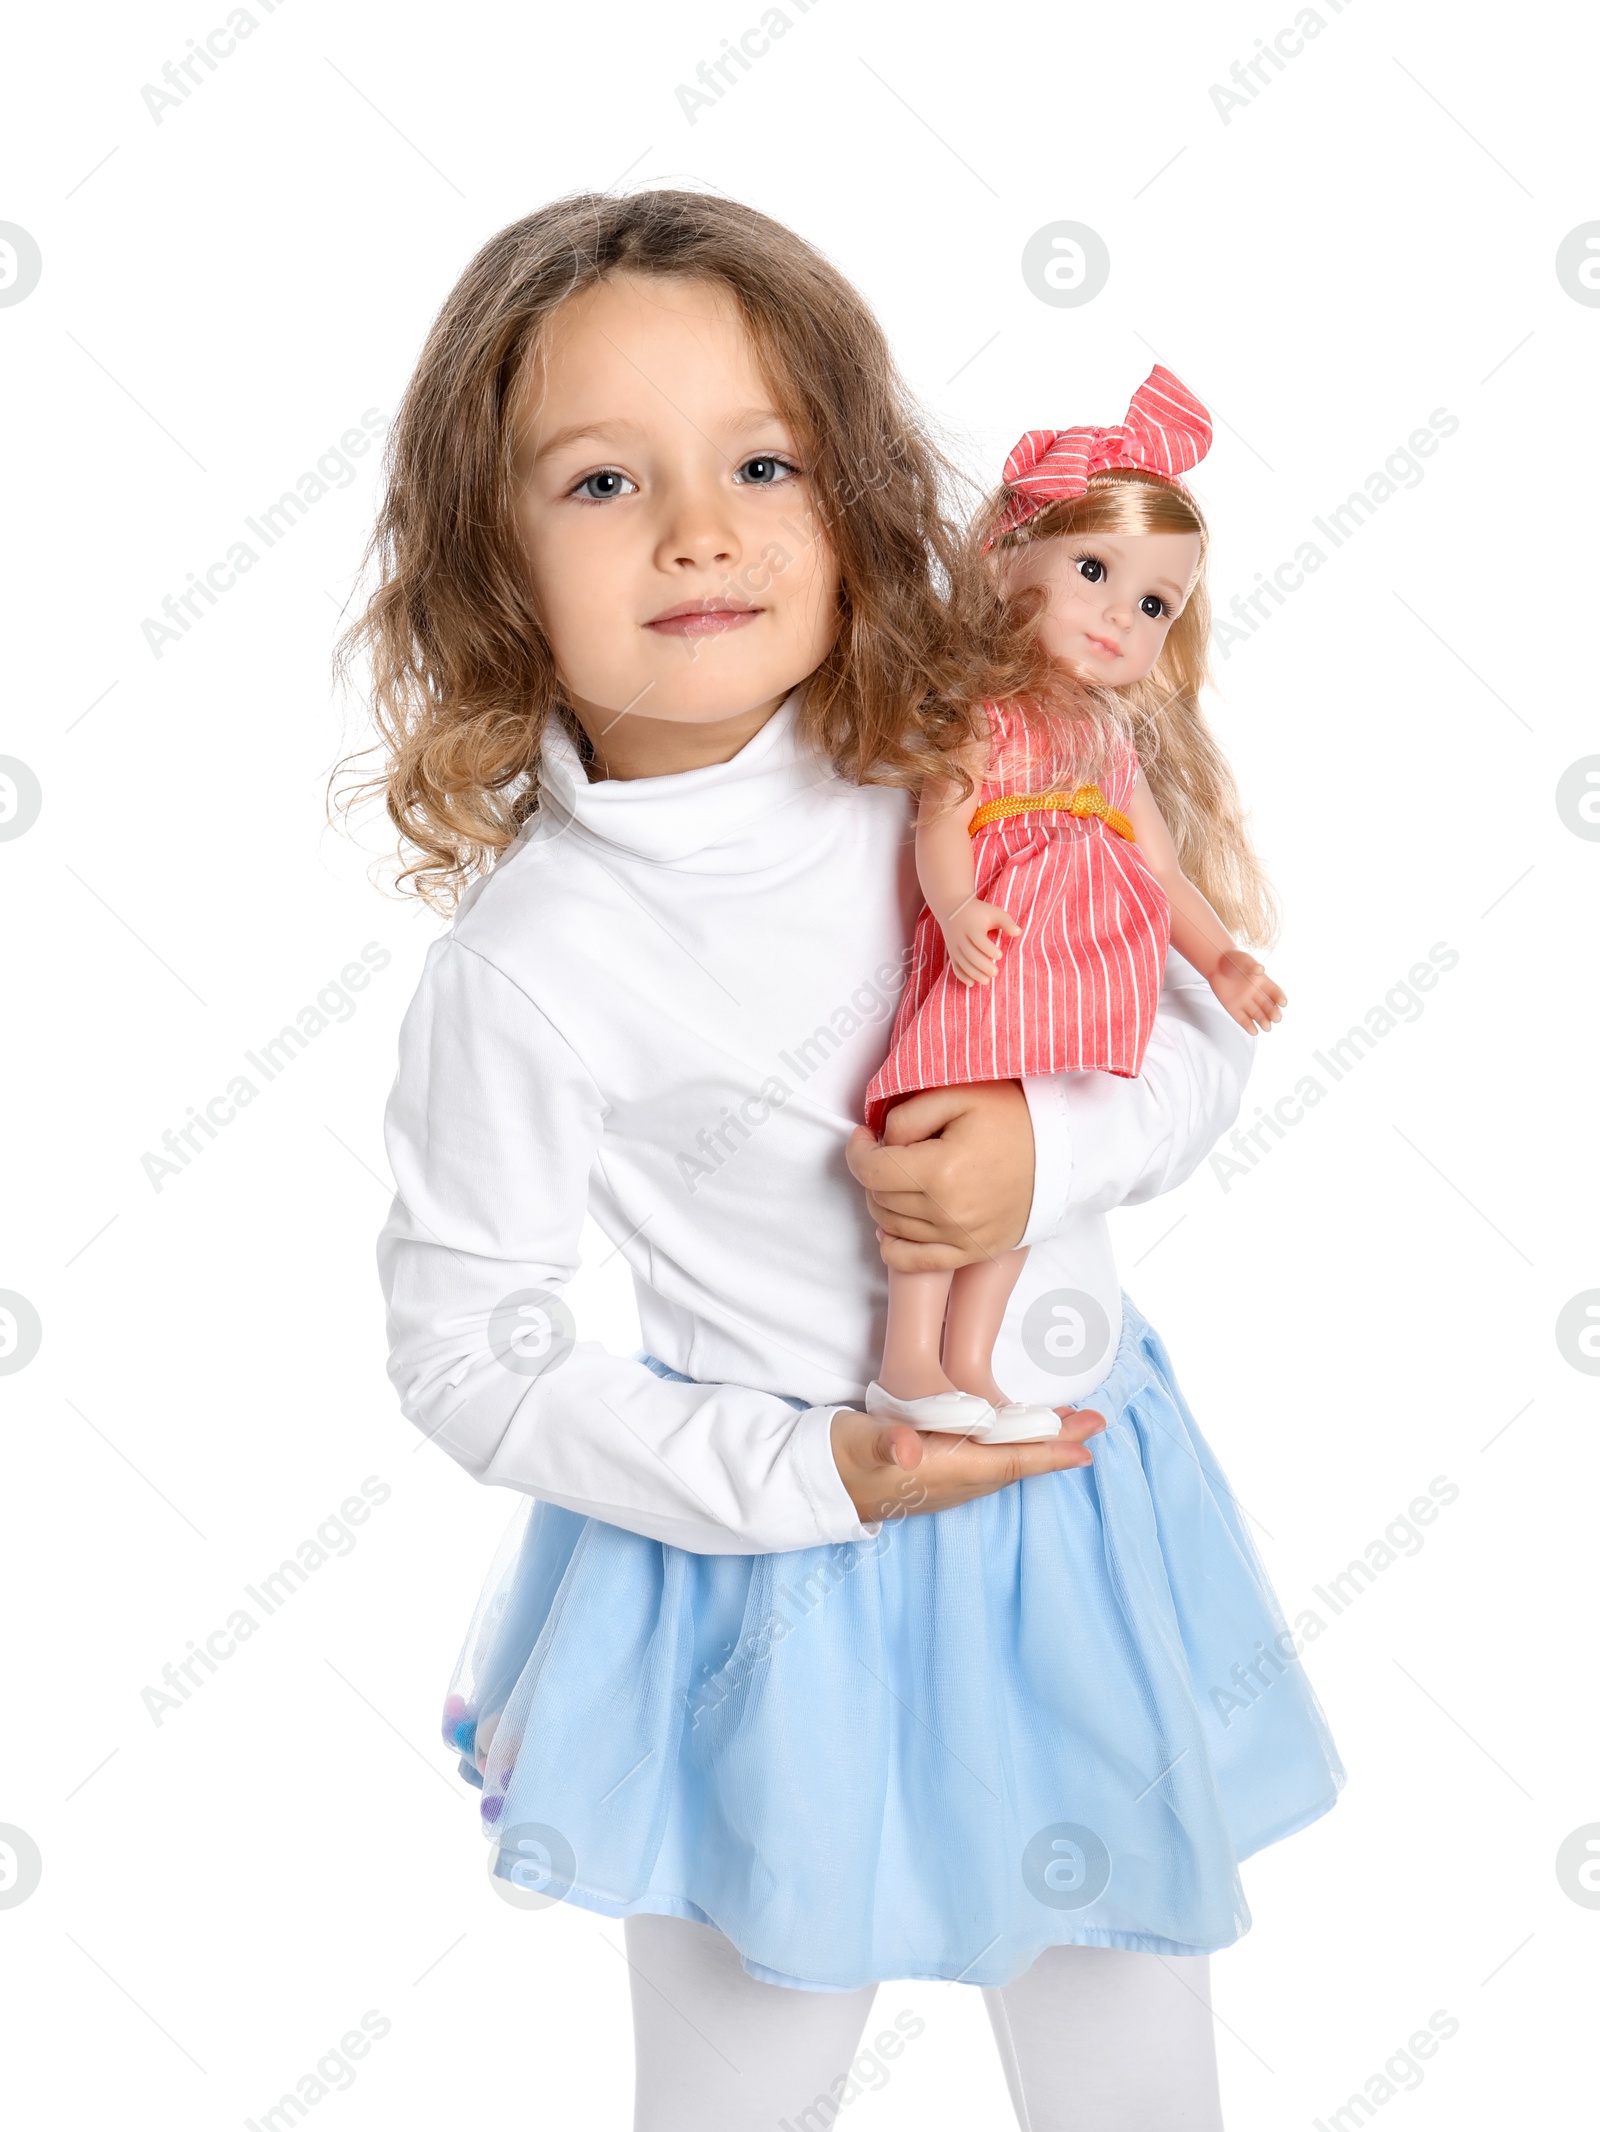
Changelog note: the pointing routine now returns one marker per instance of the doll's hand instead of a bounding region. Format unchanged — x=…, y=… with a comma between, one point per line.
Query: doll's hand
x=973, y=955
x=1248, y=993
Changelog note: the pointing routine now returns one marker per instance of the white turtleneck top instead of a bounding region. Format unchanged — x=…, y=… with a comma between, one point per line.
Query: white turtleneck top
x=663, y=1007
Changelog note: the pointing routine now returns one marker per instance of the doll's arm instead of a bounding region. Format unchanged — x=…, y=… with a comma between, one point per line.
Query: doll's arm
x=493, y=1130
x=948, y=879
x=1198, y=934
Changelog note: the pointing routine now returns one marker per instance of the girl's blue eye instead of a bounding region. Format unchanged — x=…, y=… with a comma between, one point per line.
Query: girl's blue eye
x=765, y=471
x=1152, y=606
x=601, y=487
x=1091, y=567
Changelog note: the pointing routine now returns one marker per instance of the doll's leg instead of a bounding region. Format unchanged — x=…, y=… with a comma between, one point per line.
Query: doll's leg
x=1103, y=2039
x=718, y=2050
x=911, y=1342
x=979, y=1294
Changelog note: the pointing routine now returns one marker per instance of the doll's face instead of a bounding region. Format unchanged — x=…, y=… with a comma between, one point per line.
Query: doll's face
x=1113, y=596
x=677, y=566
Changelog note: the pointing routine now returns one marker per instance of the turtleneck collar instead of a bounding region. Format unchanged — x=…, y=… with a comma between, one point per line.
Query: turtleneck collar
x=731, y=816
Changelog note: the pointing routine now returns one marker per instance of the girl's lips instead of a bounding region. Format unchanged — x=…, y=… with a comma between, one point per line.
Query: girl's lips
x=1104, y=646
x=703, y=621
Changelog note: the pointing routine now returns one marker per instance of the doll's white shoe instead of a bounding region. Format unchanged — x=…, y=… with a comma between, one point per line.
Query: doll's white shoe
x=1016, y=1423
x=949, y=1413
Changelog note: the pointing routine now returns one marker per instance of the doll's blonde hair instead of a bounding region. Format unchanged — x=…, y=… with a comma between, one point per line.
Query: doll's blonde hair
x=1187, y=771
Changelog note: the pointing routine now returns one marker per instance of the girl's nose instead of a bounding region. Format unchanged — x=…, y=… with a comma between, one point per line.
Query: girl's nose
x=697, y=529
x=697, y=539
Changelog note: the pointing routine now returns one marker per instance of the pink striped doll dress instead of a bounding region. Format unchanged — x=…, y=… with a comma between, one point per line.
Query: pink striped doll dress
x=1079, y=988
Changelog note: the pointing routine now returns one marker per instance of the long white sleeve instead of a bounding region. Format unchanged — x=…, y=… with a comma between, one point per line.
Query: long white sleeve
x=1103, y=1141
x=493, y=1131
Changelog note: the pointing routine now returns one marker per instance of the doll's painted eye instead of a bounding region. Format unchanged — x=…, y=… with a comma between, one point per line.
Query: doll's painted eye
x=1091, y=567
x=1152, y=606
x=765, y=471
x=601, y=487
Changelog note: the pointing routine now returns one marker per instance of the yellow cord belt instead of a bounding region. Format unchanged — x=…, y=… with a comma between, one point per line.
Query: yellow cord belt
x=1086, y=800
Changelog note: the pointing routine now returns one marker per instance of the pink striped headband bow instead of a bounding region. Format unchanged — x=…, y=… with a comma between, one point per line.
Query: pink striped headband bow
x=1166, y=433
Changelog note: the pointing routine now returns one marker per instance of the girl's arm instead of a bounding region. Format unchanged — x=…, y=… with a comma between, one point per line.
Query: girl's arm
x=946, y=873
x=1198, y=934
x=492, y=1130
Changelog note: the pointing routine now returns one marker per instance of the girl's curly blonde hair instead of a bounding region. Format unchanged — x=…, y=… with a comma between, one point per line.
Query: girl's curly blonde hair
x=462, y=680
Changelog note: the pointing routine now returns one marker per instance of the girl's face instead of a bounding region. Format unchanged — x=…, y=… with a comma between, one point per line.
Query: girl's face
x=1113, y=596
x=677, y=565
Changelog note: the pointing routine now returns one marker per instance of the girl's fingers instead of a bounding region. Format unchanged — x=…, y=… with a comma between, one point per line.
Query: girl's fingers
x=909, y=1229
x=962, y=1468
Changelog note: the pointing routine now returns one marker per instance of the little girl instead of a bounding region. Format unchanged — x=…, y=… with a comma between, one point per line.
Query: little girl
x=663, y=640
x=1084, y=874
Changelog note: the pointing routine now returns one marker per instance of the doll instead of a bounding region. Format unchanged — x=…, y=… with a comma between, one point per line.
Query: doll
x=1047, y=833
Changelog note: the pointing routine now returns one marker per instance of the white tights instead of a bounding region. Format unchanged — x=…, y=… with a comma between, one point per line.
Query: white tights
x=1093, y=2039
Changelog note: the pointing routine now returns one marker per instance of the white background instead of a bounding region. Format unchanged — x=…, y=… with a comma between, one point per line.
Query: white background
x=224, y=293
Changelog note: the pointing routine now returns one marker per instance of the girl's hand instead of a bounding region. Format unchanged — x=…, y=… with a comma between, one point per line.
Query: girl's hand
x=973, y=955
x=953, y=1180
x=891, y=1470
x=1248, y=993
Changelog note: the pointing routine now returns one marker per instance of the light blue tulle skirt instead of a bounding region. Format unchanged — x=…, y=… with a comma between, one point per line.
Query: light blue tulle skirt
x=1060, y=1713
